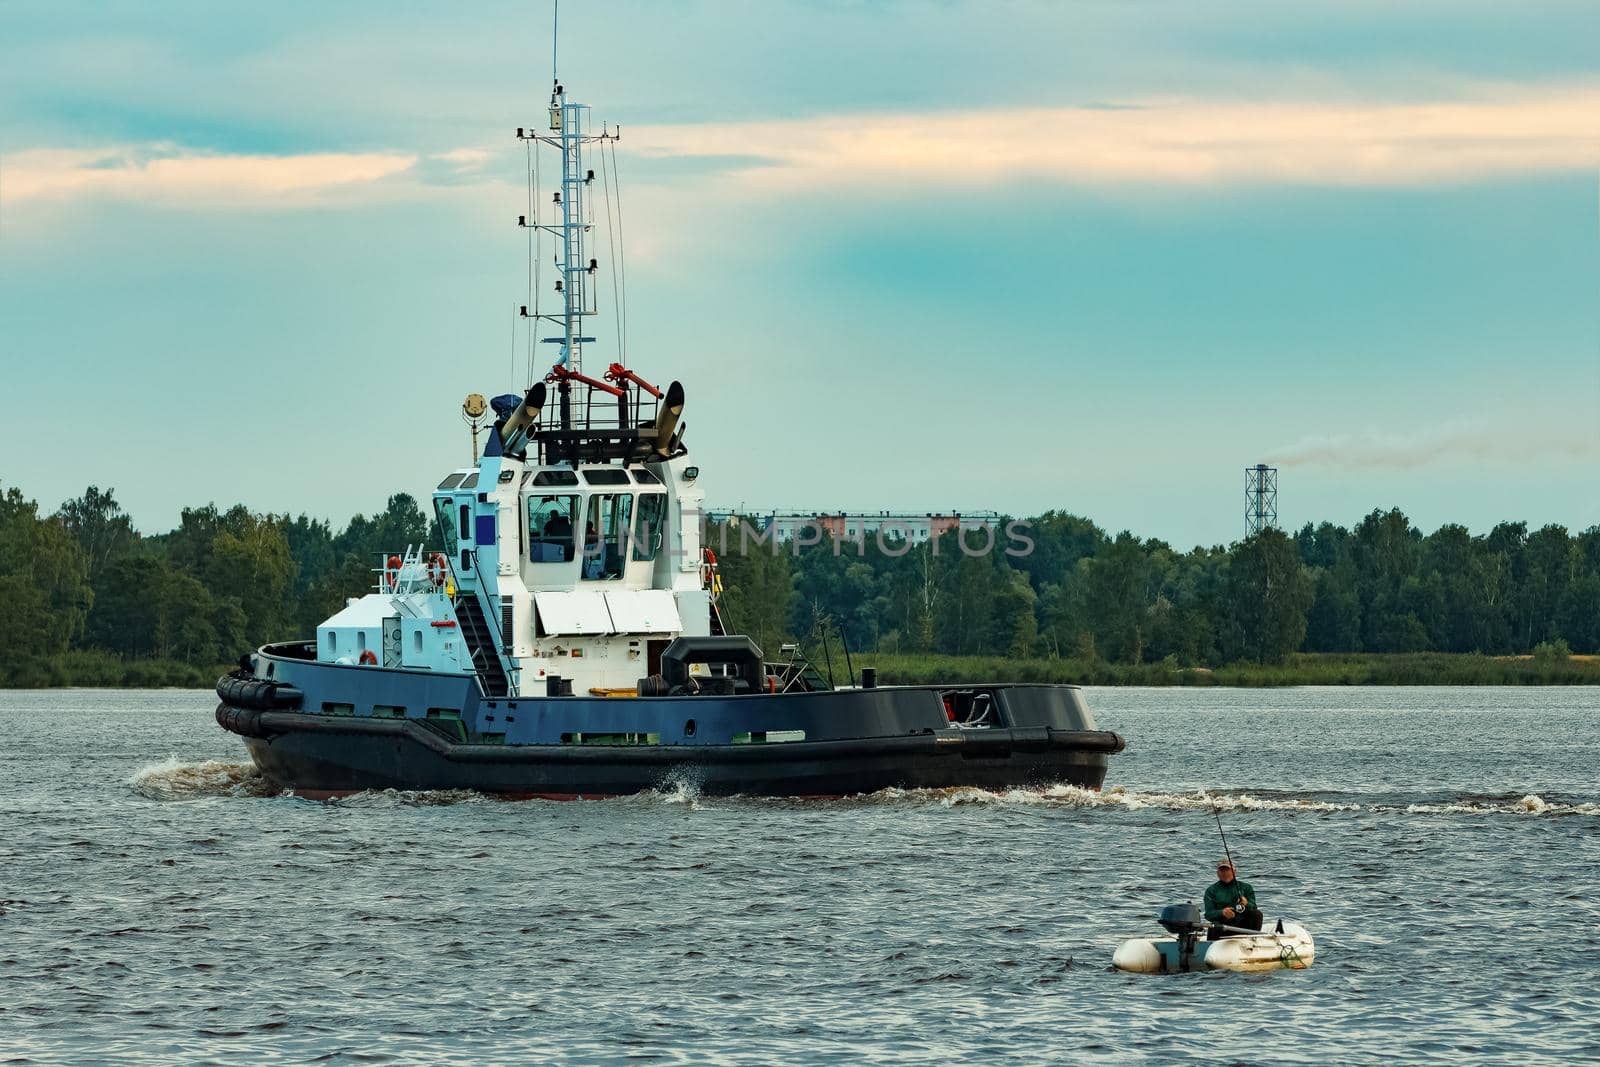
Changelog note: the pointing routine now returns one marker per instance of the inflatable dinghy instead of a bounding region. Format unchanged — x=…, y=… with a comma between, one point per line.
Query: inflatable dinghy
x=1280, y=946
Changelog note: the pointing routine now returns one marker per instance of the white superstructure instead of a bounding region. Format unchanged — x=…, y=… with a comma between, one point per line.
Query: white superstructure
x=572, y=549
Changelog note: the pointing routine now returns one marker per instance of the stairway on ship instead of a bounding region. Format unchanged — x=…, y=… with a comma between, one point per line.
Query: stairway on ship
x=482, y=643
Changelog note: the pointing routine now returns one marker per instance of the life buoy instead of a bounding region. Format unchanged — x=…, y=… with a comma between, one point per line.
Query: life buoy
x=772, y=683
x=369, y=658
x=436, y=568
x=392, y=572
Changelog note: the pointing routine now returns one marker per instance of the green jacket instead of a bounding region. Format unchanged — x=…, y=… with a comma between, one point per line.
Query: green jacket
x=1226, y=895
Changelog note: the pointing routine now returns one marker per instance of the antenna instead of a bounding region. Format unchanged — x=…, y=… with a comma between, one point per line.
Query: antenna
x=574, y=286
x=1260, y=498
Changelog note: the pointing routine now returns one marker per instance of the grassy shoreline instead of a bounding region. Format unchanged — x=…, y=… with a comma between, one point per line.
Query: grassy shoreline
x=81, y=669
x=1419, y=668
x=101, y=670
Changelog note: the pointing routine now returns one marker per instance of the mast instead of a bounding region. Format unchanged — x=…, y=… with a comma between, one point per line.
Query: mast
x=575, y=269
x=566, y=124
x=642, y=421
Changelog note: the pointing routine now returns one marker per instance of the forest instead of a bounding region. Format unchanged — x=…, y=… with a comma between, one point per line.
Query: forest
x=94, y=601
x=1084, y=596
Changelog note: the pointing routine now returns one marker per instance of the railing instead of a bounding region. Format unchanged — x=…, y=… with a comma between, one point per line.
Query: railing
x=600, y=426
x=414, y=571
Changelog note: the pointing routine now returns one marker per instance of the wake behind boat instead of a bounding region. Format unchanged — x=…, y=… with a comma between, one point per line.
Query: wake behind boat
x=567, y=640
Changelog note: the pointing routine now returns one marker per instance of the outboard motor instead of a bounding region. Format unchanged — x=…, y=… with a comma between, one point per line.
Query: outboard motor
x=1186, y=923
x=1181, y=919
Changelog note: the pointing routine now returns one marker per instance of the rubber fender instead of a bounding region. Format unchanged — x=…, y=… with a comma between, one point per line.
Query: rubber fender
x=653, y=686
x=245, y=691
x=246, y=722
x=239, y=690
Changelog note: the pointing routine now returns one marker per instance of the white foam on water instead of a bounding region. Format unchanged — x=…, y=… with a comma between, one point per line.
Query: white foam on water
x=1531, y=804
x=407, y=798
x=173, y=779
x=1115, y=797
x=1201, y=800
x=678, y=790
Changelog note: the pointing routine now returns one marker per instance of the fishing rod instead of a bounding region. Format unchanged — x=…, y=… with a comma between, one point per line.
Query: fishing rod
x=1225, y=850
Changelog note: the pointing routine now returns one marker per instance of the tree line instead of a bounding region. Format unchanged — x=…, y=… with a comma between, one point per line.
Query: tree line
x=1382, y=586
x=83, y=580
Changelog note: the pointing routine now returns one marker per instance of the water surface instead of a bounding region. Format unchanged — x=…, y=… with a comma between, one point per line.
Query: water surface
x=158, y=901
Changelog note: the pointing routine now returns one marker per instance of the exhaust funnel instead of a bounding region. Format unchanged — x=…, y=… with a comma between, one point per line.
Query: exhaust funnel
x=667, y=419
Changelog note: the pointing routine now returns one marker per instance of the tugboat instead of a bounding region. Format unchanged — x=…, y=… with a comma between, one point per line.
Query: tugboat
x=567, y=642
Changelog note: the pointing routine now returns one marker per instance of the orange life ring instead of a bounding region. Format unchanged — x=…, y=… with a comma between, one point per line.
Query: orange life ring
x=369, y=658
x=436, y=568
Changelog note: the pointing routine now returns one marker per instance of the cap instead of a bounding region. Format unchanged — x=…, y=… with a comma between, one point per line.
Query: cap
x=1224, y=862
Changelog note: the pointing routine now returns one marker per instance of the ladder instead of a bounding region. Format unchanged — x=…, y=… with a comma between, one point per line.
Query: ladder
x=482, y=644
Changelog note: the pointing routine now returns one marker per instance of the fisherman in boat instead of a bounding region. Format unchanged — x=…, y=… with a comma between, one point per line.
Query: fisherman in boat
x=1230, y=902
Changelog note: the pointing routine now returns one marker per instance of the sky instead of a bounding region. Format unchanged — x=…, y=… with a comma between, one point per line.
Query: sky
x=1090, y=255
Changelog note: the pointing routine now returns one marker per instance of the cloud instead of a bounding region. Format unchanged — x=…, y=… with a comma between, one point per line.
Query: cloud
x=1485, y=132
x=465, y=157
x=1377, y=449
x=171, y=173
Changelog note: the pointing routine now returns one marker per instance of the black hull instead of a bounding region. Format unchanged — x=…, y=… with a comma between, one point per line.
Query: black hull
x=315, y=756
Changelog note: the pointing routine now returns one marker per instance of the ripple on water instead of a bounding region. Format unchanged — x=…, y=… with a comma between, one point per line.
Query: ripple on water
x=173, y=779
x=900, y=926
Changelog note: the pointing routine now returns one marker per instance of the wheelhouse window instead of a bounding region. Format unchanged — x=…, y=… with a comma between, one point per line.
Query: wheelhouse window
x=652, y=529
x=552, y=528
x=447, y=523
x=605, y=535
x=555, y=478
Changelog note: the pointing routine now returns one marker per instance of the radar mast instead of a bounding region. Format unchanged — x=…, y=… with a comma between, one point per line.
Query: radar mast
x=575, y=269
